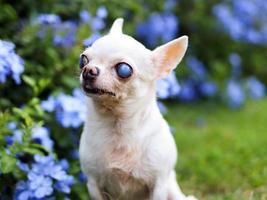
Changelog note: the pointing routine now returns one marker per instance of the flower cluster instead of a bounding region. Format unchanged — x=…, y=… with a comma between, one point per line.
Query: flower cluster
x=64, y=32
x=234, y=94
x=168, y=87
x=198, y=84
x=70, y=110
x=47, y=19
x=256, y=89
x=10, y=63
x=96, y=23
x=237, y=89
x=43, y=177
x=164, y=27
x=40, y=135
x=244, y=20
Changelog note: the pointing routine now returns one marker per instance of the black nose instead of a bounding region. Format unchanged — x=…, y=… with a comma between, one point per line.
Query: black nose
x=90, y=73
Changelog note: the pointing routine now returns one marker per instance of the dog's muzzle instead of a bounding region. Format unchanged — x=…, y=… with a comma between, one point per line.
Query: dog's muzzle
x=90, y=73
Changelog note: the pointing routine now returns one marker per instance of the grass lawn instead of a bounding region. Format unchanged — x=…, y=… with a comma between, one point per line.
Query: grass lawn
x=222, y=153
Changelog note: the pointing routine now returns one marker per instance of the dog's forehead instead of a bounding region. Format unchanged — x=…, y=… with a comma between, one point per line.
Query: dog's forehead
x=117, y=43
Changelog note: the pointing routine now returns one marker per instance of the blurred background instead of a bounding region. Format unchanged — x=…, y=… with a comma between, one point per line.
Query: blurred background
x=215, y=101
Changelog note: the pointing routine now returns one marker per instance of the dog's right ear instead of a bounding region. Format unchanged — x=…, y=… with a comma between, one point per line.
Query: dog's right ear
x=168, y=56
x=116, y=27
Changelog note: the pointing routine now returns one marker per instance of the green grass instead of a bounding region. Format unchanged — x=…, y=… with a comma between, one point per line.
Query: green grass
x=222, y=153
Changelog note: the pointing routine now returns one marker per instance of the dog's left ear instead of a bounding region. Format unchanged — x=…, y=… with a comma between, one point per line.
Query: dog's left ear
x=116, y=27
x=168, y=56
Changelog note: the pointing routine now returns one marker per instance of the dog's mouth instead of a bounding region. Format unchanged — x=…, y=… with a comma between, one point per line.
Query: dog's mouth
x=98, y=91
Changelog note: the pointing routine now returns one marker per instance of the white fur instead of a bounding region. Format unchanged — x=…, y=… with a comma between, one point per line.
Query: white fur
x=126, y=148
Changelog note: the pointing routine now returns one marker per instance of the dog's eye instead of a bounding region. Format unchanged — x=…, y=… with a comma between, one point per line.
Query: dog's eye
x=83, y=61
x=124, y=70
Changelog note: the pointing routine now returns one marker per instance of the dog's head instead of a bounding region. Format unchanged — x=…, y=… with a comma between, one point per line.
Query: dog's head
x=117, y=67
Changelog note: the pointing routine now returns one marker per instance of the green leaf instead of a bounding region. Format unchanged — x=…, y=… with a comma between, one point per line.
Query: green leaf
x=43, y=83
x=32, y=151
x=7, y=163
x=20, y=113
x=30, y=81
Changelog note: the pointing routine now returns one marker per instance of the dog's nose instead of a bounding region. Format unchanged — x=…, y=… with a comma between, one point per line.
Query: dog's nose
x=90, y=73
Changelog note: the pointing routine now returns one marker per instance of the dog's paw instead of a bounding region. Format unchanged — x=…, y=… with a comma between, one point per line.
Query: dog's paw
x=190, y=197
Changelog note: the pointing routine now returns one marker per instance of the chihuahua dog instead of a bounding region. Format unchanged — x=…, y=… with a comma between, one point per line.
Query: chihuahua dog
x=126, y=148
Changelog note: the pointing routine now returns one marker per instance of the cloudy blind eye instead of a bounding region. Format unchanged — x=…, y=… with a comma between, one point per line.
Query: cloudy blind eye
x=83, y=61
x=124, y=70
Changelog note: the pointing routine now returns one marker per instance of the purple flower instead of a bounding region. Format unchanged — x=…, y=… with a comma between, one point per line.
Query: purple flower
x=97, y=24
x=188, y=92
x=64, y=184
x=11, y=125
x=171, y=26
x=47, y=19
x=168, y=87
x=256, y=89
x=243, y=20
x=163, y=109
x=82, y=177
x=65, y=34
x=22, y=191
x=234, y=94
x=85, y=16
x=43, y=177
x=39, y=135
x=235, y=61
x=42, y=136
x=10, y=63
x=102, y=12
x=70, y=110
x=47, y=167
x=64, y=164
x=208, y=89
x=163, y=26
x=170, y=4
x=23, y=166
x=162, y=89
x=197, y=68
x=74, y=154
x=16, y=137
x=41, y=186
x=90, y=40
x=49, y=105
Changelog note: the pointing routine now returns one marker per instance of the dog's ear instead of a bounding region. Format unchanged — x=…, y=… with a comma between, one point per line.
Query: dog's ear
x=116, y=27
x=168, y=56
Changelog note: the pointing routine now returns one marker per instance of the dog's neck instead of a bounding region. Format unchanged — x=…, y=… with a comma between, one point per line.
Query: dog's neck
x=123, y=110
x=123, y=116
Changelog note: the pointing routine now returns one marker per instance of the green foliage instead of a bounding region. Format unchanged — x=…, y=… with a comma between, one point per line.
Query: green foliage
x=25, y=117
x=221, y=152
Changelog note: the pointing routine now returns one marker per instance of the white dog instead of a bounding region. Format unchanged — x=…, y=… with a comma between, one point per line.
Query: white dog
x=126, y=148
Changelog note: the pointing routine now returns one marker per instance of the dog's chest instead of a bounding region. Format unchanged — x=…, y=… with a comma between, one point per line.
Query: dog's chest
x=125, y=172
x=123, y=158
x=124, y=186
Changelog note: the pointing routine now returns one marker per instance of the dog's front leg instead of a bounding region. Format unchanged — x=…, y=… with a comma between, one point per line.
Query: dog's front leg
x=168, y=190
x=93, y=189
x=160, y=190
